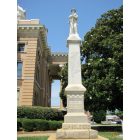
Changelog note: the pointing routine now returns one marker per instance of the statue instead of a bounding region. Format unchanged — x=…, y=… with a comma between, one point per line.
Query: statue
x=21, y=13
x=73, y=22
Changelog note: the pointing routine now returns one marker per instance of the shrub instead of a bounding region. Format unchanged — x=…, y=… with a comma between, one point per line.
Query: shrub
x=28, y=125
x=99, y=116
x=39, y=124
x=53, y=125
x=19, y=124
x=39, y=113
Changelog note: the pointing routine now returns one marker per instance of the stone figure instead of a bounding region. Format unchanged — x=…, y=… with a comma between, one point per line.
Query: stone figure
x=73, y=22
x=21, y=13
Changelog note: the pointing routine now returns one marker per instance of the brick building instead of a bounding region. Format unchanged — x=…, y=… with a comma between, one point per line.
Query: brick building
x=37, y=66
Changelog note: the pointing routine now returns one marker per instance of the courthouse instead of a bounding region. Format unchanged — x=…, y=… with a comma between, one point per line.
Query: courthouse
x=37, y=66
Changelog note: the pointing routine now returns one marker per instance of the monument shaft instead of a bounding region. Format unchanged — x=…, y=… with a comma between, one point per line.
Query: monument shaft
x=74, y=64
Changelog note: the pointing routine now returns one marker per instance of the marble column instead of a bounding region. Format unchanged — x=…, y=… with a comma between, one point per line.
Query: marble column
x=76, y=124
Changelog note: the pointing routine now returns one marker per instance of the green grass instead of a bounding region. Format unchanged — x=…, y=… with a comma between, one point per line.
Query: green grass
x=33, y=138
x=111, y=135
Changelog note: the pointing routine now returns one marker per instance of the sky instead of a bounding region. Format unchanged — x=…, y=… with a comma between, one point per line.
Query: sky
x=54, y=15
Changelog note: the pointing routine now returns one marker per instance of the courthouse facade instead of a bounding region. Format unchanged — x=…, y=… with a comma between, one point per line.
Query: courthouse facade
x=37, y=66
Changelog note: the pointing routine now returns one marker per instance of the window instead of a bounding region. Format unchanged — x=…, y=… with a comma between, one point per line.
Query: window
x=21, y=47
x=19, y=69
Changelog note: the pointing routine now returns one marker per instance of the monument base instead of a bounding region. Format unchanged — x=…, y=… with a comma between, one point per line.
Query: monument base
x=76, y=134
x=99, y=138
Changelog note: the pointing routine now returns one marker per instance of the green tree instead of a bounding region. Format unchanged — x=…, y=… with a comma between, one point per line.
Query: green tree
x=64, y=82
x=102, y=63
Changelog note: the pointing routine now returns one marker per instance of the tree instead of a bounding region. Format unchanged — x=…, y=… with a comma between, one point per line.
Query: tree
x=102, y=63
x=64, y=82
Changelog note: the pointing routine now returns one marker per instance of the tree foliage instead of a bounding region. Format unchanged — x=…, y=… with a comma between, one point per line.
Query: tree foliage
x=64, y=82
x=102, y=63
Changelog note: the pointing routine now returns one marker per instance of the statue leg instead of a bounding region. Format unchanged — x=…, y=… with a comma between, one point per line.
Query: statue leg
x=75, y=28
x=71, y=28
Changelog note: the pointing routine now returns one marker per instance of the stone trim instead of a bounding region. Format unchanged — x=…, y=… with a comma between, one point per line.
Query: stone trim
x=59, y=54
x=42, y=31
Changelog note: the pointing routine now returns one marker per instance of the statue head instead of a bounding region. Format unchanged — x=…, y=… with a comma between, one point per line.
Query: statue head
x=73, y=11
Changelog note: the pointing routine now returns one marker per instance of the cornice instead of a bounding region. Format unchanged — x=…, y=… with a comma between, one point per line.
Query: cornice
x=59, y=54
x=32, y=31
x=31, y=27
x=38, y=31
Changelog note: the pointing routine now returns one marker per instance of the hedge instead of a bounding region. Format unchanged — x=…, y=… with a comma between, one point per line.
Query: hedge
x=19, y=124
x=29, y=125
x=41, y=125
x=112, y=128
x=37, y=125
x=40, y=113
x=54, y=125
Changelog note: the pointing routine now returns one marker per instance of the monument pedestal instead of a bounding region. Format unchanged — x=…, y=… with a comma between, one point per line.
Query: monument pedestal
x=76, y=124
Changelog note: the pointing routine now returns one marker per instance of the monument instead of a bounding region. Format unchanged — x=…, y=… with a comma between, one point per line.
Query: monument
x=76, y=124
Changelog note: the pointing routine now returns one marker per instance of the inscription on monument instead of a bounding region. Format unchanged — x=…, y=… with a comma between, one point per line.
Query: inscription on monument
x=75, y=105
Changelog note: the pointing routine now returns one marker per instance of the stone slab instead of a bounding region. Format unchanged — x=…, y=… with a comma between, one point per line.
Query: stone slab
x=75, y=118
x=76, y=126
x=78, y=88
x=74, y=38
x=99, y=138
x=76, y=134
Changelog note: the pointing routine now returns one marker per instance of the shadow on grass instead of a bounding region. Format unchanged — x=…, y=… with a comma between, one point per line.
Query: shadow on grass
x=33, y=138
x=111, y=135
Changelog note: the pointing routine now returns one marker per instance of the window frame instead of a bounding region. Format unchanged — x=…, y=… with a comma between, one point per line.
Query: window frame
x=25, y=46
x=19, y=77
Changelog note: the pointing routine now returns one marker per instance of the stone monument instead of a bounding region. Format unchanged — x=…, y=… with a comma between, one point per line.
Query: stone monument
x=76, y=124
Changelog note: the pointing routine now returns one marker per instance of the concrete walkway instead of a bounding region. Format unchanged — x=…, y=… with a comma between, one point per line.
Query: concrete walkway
x=51, y=134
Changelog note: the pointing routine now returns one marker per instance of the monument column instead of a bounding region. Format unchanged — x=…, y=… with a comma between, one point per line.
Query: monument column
x=76, y=124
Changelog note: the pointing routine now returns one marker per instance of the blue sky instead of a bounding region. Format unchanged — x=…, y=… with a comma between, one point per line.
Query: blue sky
x=54, y=15
x=55, y=100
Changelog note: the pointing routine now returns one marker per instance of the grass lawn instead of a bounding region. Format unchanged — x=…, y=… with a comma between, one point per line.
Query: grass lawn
x=111, y=135
x=33, y=138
